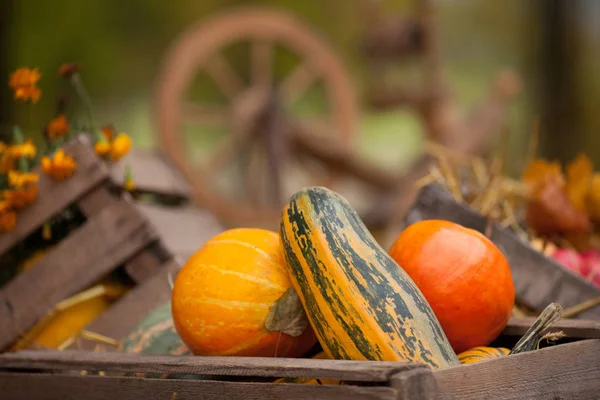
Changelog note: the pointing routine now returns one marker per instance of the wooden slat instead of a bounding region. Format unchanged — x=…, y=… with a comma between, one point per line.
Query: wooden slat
x=573, y=328
x=128, y=311
x=47, y=387
x=152, y=173
x=94, y=249
x=567, y=371
x=363, y=371
x=146, y=262
x=55, y=196
x=538, y=280
x=182, y=229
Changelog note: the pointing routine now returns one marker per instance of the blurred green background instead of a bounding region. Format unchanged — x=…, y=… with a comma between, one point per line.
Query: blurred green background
x=120, y=45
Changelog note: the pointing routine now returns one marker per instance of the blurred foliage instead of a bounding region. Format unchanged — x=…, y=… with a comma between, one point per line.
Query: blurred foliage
x=120, y=46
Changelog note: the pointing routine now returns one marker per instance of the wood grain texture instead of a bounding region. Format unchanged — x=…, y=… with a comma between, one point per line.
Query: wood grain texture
x=360, y=371
x=416, y=384
x=141, y=265
x=102, y=243
x=55, y=196
x=538, y=280
x=567, y=371
x=152, y=173
x=573, y=328
x=128, y=311
x=50, y=387
x=183, y=230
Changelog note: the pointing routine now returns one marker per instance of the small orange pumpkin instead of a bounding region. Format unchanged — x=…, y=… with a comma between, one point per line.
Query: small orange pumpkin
x=223, y=294
x=482, y=353
x=465, y=278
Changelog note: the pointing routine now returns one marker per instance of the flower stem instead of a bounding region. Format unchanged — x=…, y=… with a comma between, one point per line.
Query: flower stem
x=87, y=102
x=18, y=139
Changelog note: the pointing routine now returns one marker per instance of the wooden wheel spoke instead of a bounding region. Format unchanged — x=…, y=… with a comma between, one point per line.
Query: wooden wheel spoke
x=198, y=114
x=262, y=60
x=225, y=151
x=297, y=82
x=219, y=69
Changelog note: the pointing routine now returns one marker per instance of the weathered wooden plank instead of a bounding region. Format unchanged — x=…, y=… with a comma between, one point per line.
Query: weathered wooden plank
x=182, y=229
x=364, y=371
x=573, y=328
x=152, y=173
x=538, y=279
x=141, y=265
x=55, y=196
x=566, y=371
x=94, y=249
x=50, y=387
x=417, y=384
x=128, y=311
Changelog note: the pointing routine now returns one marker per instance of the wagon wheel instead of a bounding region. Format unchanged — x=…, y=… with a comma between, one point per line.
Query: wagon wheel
x=256, y=113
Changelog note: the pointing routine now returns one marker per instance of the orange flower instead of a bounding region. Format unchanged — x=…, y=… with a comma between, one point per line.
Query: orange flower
x=21, y=179
x=102, y=148
x=108, y=132
x=129, y=185
x=6, y=163
x=120, y=146
x=26, y=149
x=67, y=70
x=59, y=167
x=23, y=81
x=58, y=127
x=8, y=218
x=21, y=197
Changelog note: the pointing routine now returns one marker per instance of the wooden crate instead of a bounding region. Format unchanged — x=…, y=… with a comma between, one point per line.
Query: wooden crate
x=115, y=233
x=565, y=371
x=538, y=279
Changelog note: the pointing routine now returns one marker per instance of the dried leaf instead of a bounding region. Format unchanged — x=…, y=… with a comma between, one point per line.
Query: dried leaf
x=551, y=212
x=287, y=315
x=579, y=176
x=539, y=170
x=593, y=197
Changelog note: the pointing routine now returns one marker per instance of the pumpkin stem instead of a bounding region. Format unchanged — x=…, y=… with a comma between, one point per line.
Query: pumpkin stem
x=532, y=337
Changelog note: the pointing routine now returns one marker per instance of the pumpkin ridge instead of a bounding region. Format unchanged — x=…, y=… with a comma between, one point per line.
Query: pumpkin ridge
x=248, y=277
x=251, y=246
x=228, y=304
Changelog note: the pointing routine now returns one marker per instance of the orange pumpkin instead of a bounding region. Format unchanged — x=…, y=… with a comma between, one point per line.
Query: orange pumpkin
x=222, y=295
x=464, y=277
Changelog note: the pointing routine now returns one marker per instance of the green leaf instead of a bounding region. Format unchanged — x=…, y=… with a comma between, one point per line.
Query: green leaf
x=287, y=315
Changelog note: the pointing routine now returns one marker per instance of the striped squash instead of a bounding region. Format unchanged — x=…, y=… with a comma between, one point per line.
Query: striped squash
x=482, y=353
x=361, y=304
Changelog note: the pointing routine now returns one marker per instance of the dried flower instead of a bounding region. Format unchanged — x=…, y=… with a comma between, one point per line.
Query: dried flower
x=120, y=146
x=67, y=70
x=58, y=127
x=102, y=148
x=23, y=81
x=8, y=218
x=26, y=149
x=59, y=167
x=21, y=197
x=20, y=179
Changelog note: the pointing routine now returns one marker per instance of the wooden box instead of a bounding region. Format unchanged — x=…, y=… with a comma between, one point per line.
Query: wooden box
x=538, y=280
x=114, y=233
x=565, y=371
